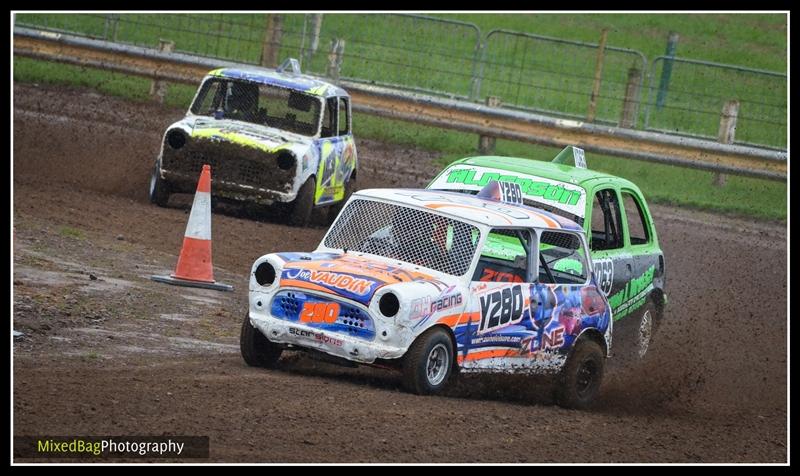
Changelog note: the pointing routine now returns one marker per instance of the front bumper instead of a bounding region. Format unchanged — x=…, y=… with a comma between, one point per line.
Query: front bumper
x=185, y=183
x=332, y=343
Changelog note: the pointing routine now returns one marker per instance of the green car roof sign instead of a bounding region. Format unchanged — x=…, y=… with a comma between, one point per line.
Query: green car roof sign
x=562, y=195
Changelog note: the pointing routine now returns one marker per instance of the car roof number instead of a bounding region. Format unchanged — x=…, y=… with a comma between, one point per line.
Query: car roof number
x=510, y=192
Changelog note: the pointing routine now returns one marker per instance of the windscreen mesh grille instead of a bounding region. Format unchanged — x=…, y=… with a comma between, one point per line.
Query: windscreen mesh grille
x=405, y=234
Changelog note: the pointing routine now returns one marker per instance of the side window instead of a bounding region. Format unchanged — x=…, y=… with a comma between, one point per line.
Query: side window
x=637, y=225
x=504, y=257
x=329, y=121
x=606, y=219
x=562, y=259
x=344, y=117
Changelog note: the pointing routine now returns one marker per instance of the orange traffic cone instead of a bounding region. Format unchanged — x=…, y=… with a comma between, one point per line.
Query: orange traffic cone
x=194, y=266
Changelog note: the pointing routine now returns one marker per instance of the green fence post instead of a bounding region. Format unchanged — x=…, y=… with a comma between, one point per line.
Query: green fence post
x=666, y=71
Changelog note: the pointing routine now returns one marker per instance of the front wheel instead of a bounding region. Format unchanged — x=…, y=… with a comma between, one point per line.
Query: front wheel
x=159, y=189
x=256, y=349
x=580, y=378
x=302, y=206
x=428, y=363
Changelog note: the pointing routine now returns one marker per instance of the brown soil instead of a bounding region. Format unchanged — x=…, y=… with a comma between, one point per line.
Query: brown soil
x=122, y=355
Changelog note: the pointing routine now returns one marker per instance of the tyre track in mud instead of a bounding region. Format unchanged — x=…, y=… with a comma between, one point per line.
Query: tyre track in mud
x=714, y=388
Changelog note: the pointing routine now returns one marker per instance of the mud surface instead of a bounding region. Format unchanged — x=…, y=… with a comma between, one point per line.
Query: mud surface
x=107, y=351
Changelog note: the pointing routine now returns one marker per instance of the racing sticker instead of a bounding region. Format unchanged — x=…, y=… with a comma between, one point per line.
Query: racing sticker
x=327, y=312
x=501, y=308
x=317, y=336
x=562, y=195
x=604, y=270
x=633, y=295
x=343, y=282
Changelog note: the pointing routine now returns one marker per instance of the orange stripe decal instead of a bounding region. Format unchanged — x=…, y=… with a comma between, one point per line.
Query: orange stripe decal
x=305, y=285
x=453, y=320
x=436, y=206
x=488, y=354
x=550, y=222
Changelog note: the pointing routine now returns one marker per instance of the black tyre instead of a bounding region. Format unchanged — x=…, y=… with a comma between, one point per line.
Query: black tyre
x=302, y=206
x=159, y=189
x=257, y=350
x=579, y=381
x=333, y=210
x=428, y=363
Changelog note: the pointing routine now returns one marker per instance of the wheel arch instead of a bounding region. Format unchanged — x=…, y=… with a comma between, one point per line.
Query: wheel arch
x=593, y=335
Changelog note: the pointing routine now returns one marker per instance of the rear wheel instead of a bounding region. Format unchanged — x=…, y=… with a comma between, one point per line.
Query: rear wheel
x=256, y=349
x=159, y=188
x=643, y=336
x=428, y=363
x=580, y=378
x=302, y=206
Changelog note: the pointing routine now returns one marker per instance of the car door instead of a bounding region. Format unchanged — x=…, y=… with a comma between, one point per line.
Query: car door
x=648, y=261
x=336, y=151
x=498, y=315
x=530, y=297
x=612, y=259
x=564, y=301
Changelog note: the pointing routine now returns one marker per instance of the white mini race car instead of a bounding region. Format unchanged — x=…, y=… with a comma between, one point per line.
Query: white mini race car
x=274, y=137
x=428, y=282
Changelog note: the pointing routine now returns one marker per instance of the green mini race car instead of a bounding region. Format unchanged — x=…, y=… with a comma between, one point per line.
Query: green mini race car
x=627, y=259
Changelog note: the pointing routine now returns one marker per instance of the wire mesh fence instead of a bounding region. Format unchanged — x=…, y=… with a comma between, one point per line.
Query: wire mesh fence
x=691, y=99
x=409, y=51
x=558, y=76
x=452, y=58
x=225, y=36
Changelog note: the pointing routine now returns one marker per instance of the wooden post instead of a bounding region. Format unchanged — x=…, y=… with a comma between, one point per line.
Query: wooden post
x=486, y=144
x=316, y=27
x=630, y=105
x=272, y=40
x=727, y=132
x=598, y=76
x=335, y=59
x=158, y=88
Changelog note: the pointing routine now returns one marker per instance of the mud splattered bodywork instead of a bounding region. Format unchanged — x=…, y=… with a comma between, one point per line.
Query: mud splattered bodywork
x=265, y=134
x=624, y=246
x=428, y=252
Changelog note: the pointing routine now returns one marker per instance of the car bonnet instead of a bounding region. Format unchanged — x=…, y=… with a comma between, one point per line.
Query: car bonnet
x=346, y=275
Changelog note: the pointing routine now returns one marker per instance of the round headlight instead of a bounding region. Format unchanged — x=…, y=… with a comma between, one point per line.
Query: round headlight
x=285, y=160
x=265, y=274
x=176, y=139
x=389, y=305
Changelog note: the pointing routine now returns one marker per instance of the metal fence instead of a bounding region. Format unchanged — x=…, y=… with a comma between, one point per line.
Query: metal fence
x=413, y=52
x=697, y=91
x=231, y=37
x=450, y=58
x=558, y=76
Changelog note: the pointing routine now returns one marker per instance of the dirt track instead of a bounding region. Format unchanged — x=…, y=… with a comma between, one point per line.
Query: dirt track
x=122, y=355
